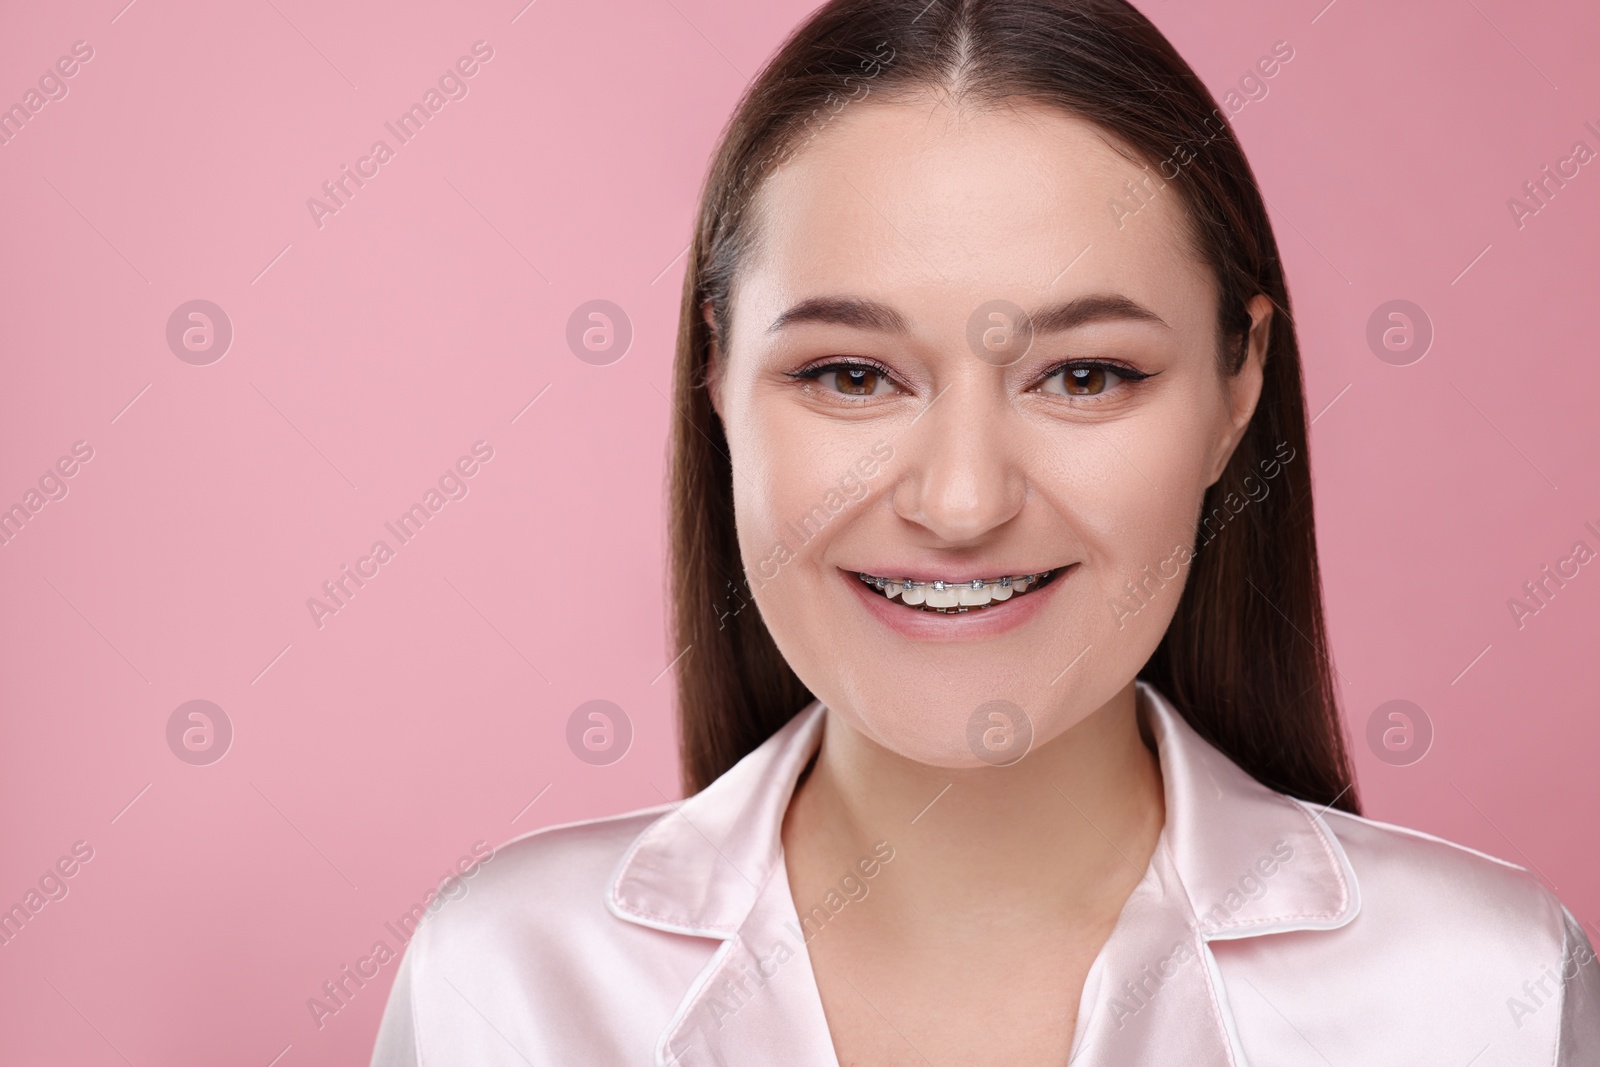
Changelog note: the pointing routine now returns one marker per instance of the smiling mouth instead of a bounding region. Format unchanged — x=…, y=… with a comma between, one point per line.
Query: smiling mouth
x=954, y=598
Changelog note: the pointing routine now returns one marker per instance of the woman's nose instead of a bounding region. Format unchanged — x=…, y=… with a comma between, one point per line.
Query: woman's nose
x=962, y=465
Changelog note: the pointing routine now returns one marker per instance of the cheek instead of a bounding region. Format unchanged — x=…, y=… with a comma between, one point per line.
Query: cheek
x=772, y=487
x=788, y=469
x=1132, y=492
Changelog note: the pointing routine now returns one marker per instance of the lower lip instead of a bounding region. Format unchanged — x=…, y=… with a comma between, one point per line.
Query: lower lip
x=962, y=626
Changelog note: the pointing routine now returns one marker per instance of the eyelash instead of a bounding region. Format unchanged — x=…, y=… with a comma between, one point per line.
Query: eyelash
x=815, y=372
x=1127, y=374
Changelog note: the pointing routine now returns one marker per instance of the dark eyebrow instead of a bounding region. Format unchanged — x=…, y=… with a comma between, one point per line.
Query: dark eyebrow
x=872, y=315
x=843, y=311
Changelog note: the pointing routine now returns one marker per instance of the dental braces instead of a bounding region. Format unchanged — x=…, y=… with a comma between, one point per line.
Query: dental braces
x=940, y=585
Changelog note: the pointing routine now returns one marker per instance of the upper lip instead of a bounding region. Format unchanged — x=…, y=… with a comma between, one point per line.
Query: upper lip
x=919, y=572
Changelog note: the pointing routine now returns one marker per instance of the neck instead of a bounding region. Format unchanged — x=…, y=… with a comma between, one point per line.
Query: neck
x=1061, y=836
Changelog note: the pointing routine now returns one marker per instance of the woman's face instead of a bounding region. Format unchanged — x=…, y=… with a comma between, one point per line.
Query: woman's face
x=886, y=416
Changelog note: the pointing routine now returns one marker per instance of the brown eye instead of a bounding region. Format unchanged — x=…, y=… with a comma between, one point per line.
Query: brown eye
x=849, y=379
x=856, y=381
x=1089, y=379
x=1085, y=381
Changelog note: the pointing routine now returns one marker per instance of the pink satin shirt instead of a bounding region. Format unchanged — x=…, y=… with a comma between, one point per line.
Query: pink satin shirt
x=1266, y=931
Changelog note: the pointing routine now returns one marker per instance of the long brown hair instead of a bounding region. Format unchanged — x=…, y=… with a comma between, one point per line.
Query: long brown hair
x=1245, y=658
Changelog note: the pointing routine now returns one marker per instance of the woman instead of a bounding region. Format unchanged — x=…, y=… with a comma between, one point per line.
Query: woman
x=1013, y=737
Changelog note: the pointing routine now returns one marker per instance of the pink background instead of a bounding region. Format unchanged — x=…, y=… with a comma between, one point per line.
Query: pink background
x=370, y=353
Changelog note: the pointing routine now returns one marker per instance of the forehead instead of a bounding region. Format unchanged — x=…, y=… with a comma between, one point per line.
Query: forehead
x=920, y=200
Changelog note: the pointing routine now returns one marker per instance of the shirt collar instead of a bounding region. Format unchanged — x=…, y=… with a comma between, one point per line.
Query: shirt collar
x=1250, y=860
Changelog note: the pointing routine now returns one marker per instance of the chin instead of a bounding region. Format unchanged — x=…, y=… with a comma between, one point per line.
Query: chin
x=957, y=734
x=925, y=748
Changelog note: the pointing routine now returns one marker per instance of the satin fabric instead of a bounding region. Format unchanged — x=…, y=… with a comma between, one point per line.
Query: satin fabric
x=1266, y=931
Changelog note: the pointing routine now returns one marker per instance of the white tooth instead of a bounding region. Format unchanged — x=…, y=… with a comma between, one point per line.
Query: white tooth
x=1001, y=592
x=945, y=598
x=971, y=597
x=1020, y=584
x=891, y=589
x=913, y=595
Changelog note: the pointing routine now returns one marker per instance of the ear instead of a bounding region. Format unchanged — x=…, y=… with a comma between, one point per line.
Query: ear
x=714, y=363
x=1243, y=390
